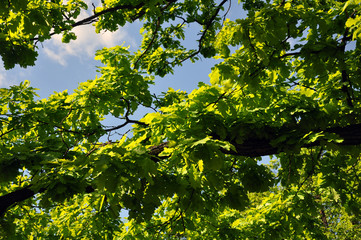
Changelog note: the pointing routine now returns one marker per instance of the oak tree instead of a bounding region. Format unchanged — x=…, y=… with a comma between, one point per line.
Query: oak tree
x=287, y=86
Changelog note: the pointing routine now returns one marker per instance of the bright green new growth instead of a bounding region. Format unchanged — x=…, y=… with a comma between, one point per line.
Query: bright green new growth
x=288, y=87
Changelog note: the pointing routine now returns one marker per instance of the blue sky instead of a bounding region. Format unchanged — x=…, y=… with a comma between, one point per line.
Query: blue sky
x=63, y=66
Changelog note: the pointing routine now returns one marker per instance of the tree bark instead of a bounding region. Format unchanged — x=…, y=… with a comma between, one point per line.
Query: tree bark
x=257, y=147
x=252, y=147
x=12, y=198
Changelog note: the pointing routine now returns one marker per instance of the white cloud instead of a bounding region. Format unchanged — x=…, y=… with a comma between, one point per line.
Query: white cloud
x=12, y=76
x=86, y=44
x=89, y=2
x=3, y=82
x=55, y=56
x=7, y=77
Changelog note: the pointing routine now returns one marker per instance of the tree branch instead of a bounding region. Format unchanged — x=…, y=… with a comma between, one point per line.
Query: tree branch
x=94, y=17
x=257, y=147
x=10, y=199
x=17, y=196
x=149, y=45
x=207, y=25
x=127, y=120
x=251, y=147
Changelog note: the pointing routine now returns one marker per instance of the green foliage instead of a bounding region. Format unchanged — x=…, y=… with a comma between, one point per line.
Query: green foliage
x=287, y=85
x=24, y=23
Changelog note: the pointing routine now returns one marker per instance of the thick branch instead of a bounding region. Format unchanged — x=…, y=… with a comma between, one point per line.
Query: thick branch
x=256, y=147
x=252, y=147
x=12, y=198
